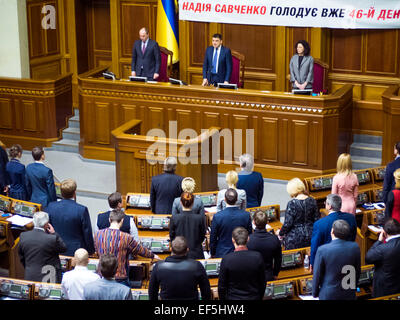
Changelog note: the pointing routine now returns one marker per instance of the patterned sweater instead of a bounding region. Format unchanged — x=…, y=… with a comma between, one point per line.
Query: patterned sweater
x=120, y=244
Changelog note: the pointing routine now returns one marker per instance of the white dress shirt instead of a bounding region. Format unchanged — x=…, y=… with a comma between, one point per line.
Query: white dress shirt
x=75, y=280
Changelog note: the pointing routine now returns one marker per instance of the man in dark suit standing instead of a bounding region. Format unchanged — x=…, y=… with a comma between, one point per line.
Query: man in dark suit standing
x=388, y=182
x=146, y=56
x=224, y=222
x=39, y=251
x=40, y=180
x=179, y=276
x=267, y=244
x=4, y=177
x=337, y=266
x=322, y=228
x=385, y=255
x=217, y=65
x=241, y=275
x=103, y=219
x=71, y=220
x=165, y=188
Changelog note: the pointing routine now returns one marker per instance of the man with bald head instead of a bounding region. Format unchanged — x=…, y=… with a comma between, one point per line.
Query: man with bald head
x=75, y=280
x=146, y=56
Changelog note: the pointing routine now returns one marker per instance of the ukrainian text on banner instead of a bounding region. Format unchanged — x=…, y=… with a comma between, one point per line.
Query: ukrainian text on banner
x=352, y=14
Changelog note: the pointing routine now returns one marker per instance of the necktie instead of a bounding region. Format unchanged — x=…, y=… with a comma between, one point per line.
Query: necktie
x=214, y=63
x=143, y=47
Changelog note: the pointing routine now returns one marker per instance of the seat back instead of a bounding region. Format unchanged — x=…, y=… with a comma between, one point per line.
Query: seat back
x=320, y=76
x=6, y=237
x=238, y=65
x=166, y=65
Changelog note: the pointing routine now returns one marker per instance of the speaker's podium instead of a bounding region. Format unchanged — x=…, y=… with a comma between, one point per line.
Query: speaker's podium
x=139, y=157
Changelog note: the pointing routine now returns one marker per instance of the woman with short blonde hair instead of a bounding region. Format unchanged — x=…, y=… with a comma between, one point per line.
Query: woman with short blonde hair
x=393, y=199
x=345, y=184
x=301, y=213
x=231, y=179
x=295, y=187
x=188, y=185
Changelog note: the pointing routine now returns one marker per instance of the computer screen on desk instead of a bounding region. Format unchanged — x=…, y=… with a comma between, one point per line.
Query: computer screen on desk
x=303, y=92
x=138, y=79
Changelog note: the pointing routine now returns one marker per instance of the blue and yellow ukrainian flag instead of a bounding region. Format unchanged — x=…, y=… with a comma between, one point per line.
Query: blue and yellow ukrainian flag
x=167, y=26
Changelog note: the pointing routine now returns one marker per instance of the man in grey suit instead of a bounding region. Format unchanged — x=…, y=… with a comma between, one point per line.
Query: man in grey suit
x=39, y=251
x=337, y=266
x=146, y=57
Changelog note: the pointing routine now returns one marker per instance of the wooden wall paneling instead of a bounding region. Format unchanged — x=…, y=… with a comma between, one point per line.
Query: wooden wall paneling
x=314, y=142
x=298, y=143
x=269, y=134
x=102, y=120
x=382, y=52
x=6, y=114
x=284, y=147
x=45, y=54
x=52, y=36
x=347, y=50
x=36, y=33
x=185, y=119
x=240, y=122
x=156, y=119
x=128, y=112
x=99, y=33
x=29, y=115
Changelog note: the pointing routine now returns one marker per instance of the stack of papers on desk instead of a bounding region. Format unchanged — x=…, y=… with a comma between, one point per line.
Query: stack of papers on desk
x=19, y=220
x=308, y=297
x=374, y=228
x=211, y=209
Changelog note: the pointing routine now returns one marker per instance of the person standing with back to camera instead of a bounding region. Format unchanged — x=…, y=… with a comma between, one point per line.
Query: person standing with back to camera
x=302, y=67
x=345, y=184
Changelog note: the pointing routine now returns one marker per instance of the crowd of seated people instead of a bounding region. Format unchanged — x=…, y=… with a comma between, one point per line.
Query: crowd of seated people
x=250, y=257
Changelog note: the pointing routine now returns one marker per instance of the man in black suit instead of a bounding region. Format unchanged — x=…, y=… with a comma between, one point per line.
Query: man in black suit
x=388, y=182
x=217, y=65
x=165, y=188
x=337, y=266
x=4, y=177
x=71, y=220
x=242, y=272
x=385, y=255
x=267, y=244
x=179, y=276
x=103, y=219
x=39, y=251
x=146, y=56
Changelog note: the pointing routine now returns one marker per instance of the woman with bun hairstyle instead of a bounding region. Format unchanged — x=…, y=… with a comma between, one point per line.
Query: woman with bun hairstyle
x=190, y=225
x=16, y=172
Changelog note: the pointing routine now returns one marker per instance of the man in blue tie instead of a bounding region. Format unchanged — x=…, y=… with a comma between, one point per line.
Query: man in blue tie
x=217, y=66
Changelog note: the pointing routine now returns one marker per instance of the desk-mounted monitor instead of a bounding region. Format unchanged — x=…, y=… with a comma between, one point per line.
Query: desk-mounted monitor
x=137, y=79
x=232, y=86
x=176, y=81
x=109, y=75
x=306, y=92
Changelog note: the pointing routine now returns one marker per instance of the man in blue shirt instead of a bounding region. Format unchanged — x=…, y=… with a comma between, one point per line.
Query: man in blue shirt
x=107, y=288
x=322, y=228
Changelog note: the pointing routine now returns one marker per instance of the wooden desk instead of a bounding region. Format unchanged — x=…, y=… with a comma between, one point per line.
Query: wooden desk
x=33, y=112
x=295, y=135
x=294, y=273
